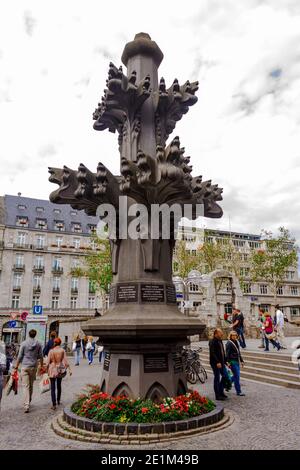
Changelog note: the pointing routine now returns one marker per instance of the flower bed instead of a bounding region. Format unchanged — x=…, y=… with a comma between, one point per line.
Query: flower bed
x=100, y=406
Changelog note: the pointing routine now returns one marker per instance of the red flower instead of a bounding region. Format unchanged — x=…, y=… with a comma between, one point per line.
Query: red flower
x=112, y=406
x=145, y=410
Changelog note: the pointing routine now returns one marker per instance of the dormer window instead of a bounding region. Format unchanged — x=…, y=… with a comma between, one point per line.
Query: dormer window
x=73, y=213
x=56, y=211
x=76, y=227
x=39, y=209
x=59, y=225
x=41, y=224
x=22, y=221
x=21, y=207
x=91, y=228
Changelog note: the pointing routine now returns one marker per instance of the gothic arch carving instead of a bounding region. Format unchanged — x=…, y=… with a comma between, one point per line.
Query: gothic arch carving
x=181, y=388
x=103, y=386
x=156, y=392
x=122, y=389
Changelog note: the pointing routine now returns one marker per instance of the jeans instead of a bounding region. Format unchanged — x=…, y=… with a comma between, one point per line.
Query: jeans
x=275, y=343
x=28, y=375
x=219, y=374
x=235, y=368
x=77, y=356
x=91, y=356
x=55, y=381
x=240, y=332
x=100, y=356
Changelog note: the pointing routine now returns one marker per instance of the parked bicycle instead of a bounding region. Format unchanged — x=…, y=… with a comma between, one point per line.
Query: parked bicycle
x=194, y=370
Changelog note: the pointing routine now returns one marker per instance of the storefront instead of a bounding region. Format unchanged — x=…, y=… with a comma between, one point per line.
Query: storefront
x=13, y=332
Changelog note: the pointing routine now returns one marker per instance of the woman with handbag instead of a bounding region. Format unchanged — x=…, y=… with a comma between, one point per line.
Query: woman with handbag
x=234, y=359
x=270, y=334
x=57, y=365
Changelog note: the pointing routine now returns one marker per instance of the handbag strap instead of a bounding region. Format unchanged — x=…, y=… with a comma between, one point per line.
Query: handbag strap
x=236, y=348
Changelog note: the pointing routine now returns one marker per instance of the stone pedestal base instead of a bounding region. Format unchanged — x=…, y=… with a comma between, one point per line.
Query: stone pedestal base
x=151, y=371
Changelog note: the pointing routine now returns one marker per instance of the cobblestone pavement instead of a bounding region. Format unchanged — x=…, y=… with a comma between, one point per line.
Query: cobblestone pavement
x=267, y=418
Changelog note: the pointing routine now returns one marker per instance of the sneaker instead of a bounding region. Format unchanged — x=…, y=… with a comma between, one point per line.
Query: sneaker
x=26, y=410
x=221, y=398
x=241, y=394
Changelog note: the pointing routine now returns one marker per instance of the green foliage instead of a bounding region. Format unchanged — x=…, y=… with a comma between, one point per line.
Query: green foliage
x=97, y=266
x=183, y=261
x=270, y=264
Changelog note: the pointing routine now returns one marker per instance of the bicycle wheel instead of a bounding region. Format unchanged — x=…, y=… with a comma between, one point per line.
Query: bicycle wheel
x=191, y=375
x=200, y=371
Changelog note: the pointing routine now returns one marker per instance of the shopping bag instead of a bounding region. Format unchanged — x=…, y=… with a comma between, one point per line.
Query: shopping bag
x=44, y=384
x=12, y=383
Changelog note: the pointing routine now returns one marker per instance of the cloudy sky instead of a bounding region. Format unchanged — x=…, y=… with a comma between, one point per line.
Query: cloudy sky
x=244, y=132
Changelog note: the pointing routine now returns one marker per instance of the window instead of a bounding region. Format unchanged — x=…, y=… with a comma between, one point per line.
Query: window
x=22, y=221
x=21, y=238
x=17, y=280
x=265, y=307
x=75, y=263
x=193, y=287
x=74, y=284
x=228, y=308
x=294, y=290
x=59, y=241
x=39, y=261
x=39, y=209
x=56, y=282
x=76, y=227
x=21, y=207
x=290, y=275
x=41, y=224
x=40, y=241
x=254, y=245
x=59, y=225
x=37, y=281
x=238, y=243
x=57, y=264
x=93, y=244
x=91, y=228
x=91, y=287
x=244, y=272
x=73, y=302
x=76, y=242
x=209, y=239
x=279, y=290
x=19, y=260
x=35, y=300
x=295, y=311
x=55, y=302
x=194, y=252
x=56, y=211
x=15, y=303
x=263, y=289
x=91, y=303
x=247, y=288
x=73, y=213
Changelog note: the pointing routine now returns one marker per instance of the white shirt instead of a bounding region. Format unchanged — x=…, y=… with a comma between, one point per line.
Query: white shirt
x=279, y=318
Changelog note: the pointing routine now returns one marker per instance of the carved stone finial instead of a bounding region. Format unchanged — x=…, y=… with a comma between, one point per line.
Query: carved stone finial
x=142, y=44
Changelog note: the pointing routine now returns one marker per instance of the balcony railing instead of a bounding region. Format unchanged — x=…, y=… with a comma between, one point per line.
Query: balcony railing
x=37, y=289
x=20, y=245
x=57, y=270
x=56, y=290
x=19, y=267
x=40, y=247
x=74, y=290
x=38, y=269
x=17, y=288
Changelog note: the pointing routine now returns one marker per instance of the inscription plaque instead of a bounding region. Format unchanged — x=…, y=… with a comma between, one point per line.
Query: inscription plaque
x=177, y=362
x=127, y=293
x=171, y=294
x=152, y=292
x=156, y=363
x=112, y=294
x=124, y=367
x=106, y=362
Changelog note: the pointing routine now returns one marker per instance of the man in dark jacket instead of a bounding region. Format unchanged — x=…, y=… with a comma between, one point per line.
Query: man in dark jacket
x=50, y=344
x=238, y=326
x=217, y=362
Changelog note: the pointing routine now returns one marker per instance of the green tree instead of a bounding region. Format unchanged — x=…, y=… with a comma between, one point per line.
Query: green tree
x=183, y=260
x=270, y=264
x=97, y=268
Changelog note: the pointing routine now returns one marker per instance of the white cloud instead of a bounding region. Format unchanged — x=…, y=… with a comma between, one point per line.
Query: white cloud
x=243, y=133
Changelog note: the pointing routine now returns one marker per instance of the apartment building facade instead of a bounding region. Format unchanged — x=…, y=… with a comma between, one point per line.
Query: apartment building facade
x=40, y=243
x=259, y=294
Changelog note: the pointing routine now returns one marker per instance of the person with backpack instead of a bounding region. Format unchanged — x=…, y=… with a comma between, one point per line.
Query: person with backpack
x=270, y=334
x=50, y=344
x=234, y=359
x=31, y=352
x=57, y=365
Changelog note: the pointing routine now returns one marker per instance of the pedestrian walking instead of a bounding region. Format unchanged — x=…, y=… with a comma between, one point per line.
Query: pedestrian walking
x=238, y=326
x=84, y=342
x=235, y=360
x=90, y=347
x=50, y=344
x=280, y=327
x=57, y=365
x=29, y=355
x=217, y=363
x=100, y=352
x=270, y=334
x=2, y=367
x=261, y=319
x=76, y=349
